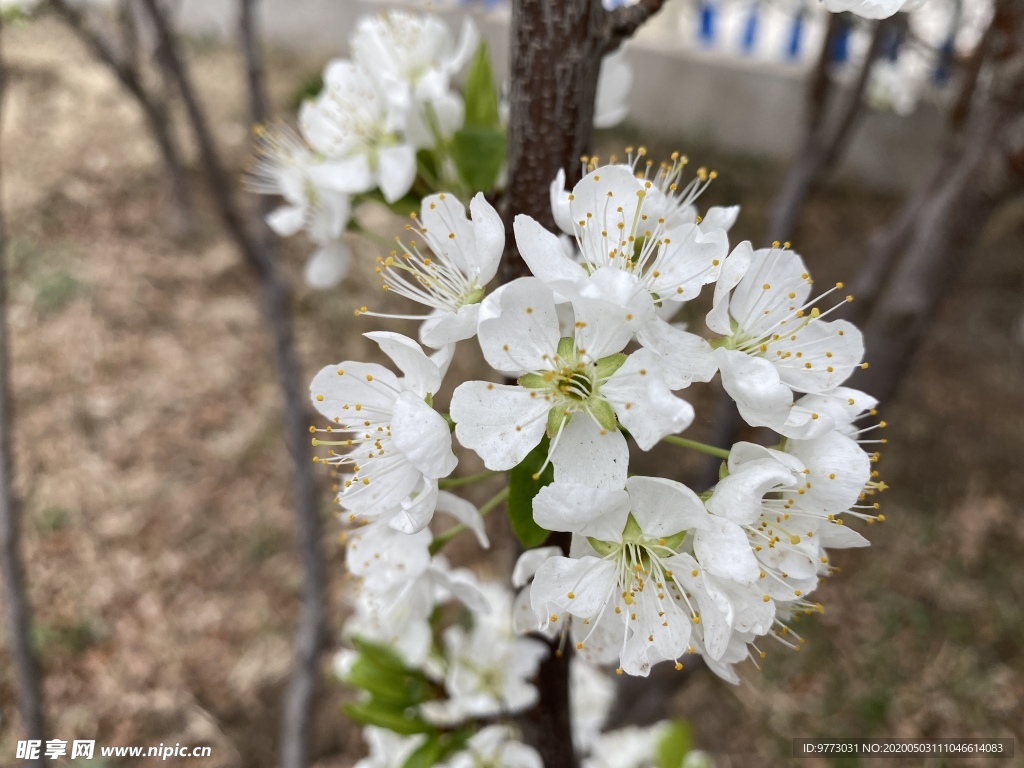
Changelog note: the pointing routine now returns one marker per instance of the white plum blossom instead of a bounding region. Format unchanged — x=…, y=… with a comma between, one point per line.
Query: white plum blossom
x=397, y=614
x=638, y=570
x=789, y=504
x=632, y=257
x=591, y=695
x=495, y=745
x=873, y=9
x=449, y=278
x=618, y=222
x=630, y=747
x=284, y=165
x=392, y=445
x=489, y=667
x=351, y=125
x=387, y=748
x=486, y=677
x=575, y=389
x=775, y=342
x=412, y=58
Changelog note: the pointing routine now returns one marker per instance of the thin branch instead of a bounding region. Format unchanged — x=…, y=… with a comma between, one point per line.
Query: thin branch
x=259, y=254
x=623, y=22
x=823, y=141
x=30, y=700
x=889, y=241
x=125, y=68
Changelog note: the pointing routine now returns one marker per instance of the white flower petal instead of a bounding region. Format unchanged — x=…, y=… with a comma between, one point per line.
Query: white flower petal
x=466, y=513
x=685, y=357
x=396, y=171
x=502, y=423
x=582, y=509
x=489, y=232
x=643, y=402
x=543, y=252
x=421, y=373
x=518, y=327
x=328, y=265
x=444, y=328
x=722, y=548
x=422, y=435
x=664, y=507
x=590, y=455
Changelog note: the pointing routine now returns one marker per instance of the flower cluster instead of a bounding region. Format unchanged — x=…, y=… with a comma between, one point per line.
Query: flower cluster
x=586, y=359
x=362, y=132
x=390, y=121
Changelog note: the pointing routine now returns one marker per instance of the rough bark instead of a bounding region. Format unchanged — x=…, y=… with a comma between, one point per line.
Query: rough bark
x=26, y=669
x=556, y=51
x=126, y=67
x=259, y=254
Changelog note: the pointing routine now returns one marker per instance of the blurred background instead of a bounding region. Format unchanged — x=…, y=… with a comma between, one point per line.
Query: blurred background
x=159, y=545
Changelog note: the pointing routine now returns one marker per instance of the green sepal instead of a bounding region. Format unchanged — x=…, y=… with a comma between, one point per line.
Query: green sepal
x=673, y=541
x=522, y=487
x=567, y=350
x=603, y=548
x=674, y=744
x=602, y=411
x=606, y=366
x=555, y=417
x=533, y=381
x=723, y=470
x=632, y=531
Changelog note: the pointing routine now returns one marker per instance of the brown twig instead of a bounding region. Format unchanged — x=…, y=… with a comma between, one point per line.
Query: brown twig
x=979, y=174
x=128, y=72
x=556, y=51
x=889, y=241
x=825, y=138
x=30, y=700
x=623, y=22
x=310, y=635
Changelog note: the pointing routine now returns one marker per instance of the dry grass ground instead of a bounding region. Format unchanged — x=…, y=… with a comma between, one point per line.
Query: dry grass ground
x=158, y=534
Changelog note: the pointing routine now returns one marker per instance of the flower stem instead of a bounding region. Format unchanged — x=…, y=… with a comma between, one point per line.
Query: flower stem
x=443, y=538
x=455, y=482
x=711, y=450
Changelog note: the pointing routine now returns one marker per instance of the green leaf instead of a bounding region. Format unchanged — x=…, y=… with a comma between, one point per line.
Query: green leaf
x=479, y=154
x=388, y=687
x=382, y=715
x=428, y=754
x=381, y=656
x=674, y=744
x=437, y=748
x=522, y=487
x=480, y=93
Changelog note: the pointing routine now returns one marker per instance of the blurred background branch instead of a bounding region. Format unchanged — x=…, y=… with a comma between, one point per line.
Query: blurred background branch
x=19, y=611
